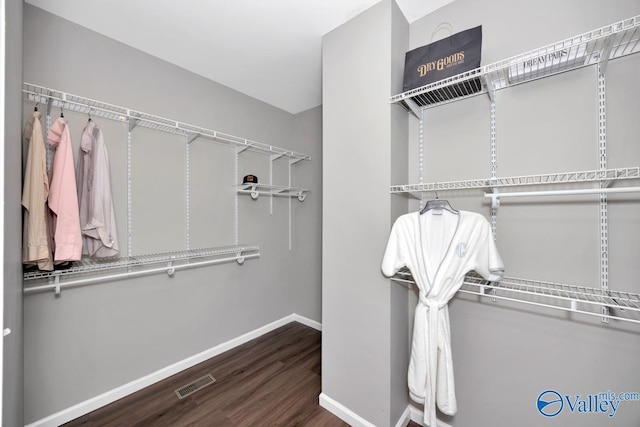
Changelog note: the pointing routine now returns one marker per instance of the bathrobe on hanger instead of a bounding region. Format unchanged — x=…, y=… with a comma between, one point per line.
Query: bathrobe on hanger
x=63, y=196
x=439, y=248
x=35, y=240
x=97, y=216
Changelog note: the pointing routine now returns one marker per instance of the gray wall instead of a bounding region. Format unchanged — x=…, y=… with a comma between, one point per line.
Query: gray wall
x=12, y=411
x=399, y=341
x=364, y=350
x=307, y=218
x=100, y=337
x=505, y=355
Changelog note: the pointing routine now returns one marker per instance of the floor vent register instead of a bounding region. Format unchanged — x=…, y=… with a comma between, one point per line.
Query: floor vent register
x=194, y=386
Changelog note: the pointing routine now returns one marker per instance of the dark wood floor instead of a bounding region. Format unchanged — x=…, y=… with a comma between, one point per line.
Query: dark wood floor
x=273, y=380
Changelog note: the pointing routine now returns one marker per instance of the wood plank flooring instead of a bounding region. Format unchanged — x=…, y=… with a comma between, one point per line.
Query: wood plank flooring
x=273, y=380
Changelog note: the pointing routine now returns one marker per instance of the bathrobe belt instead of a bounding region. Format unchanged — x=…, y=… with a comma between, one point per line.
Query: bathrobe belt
x=434, y=306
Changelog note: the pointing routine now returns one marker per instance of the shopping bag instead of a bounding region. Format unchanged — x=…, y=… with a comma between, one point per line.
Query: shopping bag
x=442, y=59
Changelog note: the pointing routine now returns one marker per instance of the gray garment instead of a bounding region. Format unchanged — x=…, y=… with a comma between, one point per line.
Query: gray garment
x=97, y=216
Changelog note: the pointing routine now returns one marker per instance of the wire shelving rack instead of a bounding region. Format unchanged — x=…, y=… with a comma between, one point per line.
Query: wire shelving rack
x=596, y=48
x=89, y=271
x=55, y=98
x=593, y=47
x=623, y=306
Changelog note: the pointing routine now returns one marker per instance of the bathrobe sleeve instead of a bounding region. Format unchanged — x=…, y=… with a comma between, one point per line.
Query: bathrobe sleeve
x=488, y=262
x=395, y=255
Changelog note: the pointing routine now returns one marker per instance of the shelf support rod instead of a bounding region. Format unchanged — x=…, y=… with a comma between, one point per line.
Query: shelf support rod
x=236, y=178
x=49, y=148
x=290, y=210
x=604, y=221
x=272, y=158
x=421, y=154
x=494, y=169
x=129, y=193
x=187, y=190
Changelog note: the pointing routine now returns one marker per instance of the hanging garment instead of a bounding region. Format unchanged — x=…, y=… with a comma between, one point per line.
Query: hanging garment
x=97, y=216
x=439, y=248
x=63, y=196
x=36, y=249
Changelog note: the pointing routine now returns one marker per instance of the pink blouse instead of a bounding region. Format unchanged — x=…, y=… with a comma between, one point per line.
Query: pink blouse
x=63, y=196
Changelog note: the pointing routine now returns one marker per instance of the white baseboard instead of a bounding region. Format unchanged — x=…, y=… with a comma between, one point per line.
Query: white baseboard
x=404, y=418
x=111, y=396
x=345, y=414
x=417, y=416
x=342, y=412
x=305, y=321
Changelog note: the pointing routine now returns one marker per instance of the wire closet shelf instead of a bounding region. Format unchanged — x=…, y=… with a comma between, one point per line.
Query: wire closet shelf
x=624, y=306
x=58, y=99
x=580, y=178
x=594, y=47
x=255, y=190
x=524, y=180
x=123, y=267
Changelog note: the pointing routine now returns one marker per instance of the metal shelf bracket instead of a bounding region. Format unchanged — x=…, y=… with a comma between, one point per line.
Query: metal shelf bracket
x=55, y=280
x=132, y=124
x=49, y=102
x=495, y=199
x=171, y=270
x=192, y=137
x=254, y=193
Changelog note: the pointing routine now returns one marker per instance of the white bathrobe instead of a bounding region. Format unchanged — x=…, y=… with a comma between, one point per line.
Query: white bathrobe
x=439, y=248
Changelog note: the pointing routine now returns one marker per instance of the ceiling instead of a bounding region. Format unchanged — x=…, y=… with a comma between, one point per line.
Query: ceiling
x=270, y=50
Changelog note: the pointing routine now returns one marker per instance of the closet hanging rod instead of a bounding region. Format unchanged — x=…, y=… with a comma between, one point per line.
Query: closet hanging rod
x=35, y=93
x=576, y=192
